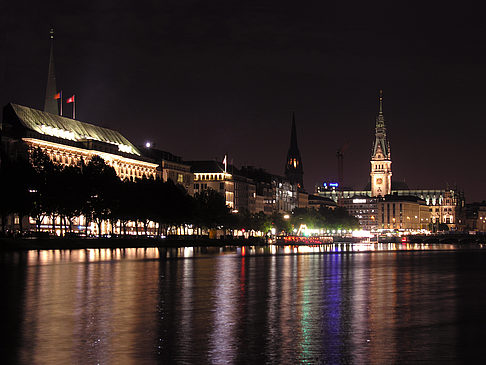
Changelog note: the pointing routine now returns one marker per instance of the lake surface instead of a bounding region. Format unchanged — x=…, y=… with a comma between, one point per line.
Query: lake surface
x=336, y=304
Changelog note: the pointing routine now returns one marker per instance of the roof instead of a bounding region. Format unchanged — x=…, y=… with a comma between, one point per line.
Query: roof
x=403, y=198
x=158, y=155
x=322, y=199
x=66, y=128
x=207, y=166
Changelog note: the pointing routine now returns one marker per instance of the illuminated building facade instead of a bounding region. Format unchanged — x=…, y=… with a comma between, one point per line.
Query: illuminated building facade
x=66, y=141
x=248, y=188
x=445, y=205
x=403, y=213
x=381, y=158
x=294, y=169
x=212, y=175
x=364, y=208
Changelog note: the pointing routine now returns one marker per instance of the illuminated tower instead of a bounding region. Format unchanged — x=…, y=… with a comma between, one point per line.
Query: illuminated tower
x=294, y=170
x=380, y=158
x=50, y=104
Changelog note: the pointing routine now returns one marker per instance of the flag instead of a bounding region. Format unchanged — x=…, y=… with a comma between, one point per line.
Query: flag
x=70, y=100
x=224, y=161
x=57, y=96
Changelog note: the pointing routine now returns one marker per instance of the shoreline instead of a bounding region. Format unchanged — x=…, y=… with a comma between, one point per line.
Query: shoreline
x=25, y=244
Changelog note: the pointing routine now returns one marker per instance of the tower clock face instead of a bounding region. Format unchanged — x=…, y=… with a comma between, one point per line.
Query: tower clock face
x=379, y=181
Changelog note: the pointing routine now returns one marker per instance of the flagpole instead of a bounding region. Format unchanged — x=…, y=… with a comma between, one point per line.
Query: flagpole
x=74, y=106
x=61, y=103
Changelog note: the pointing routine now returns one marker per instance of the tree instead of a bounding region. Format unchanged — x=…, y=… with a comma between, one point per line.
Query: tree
x=44, y=186
x=99, y=180
x=443, y=227
x=69, y=194
x=210, y=209
x=16, y=190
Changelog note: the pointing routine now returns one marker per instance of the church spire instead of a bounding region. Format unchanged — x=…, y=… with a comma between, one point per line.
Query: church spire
x=380, y=158
x=380, y=131
x=381, y=102
x=380, y=119
x=50, y=104
x=294, y=170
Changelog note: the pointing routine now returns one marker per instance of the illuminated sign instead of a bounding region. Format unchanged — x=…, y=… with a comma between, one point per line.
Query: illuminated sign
x=332, y=185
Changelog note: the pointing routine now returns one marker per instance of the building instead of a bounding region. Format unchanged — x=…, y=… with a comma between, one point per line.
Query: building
x=171, y=167
x=481, y=222
x=445, y=205
x=294, y=169
x=403, y=213
x=212, y=175
x=317, y=202
x=239, y=191
x=380, y=158
x=278, y=193
x=66, y=141
x=364, y=208
x=475, y=217
x=302, y=199
x=248, y=188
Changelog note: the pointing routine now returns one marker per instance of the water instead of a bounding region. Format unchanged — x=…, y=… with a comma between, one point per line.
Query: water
x=368, y=304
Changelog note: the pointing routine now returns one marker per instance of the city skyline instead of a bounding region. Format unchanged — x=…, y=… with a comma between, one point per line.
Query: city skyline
x=232, y=89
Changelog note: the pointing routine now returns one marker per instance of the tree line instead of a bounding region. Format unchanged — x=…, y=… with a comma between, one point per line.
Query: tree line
x=41, y=189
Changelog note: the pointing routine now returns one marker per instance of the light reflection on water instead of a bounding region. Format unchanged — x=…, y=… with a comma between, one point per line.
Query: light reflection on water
x=378, y=303
x=44, y=257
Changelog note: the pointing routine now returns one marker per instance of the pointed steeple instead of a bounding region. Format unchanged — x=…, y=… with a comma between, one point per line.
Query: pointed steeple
x=380, y=158
x=380, y=119
x=50, y=104
x=294, y=170
x=380, y=132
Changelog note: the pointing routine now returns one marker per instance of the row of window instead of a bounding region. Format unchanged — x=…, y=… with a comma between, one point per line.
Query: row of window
x=210, y=177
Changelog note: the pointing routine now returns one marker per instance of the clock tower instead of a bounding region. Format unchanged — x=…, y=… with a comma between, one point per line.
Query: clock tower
x=380, y=158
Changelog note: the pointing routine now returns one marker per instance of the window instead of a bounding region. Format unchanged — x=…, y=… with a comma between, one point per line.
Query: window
x=180, y=178
x=221, y=186
x=196, y=186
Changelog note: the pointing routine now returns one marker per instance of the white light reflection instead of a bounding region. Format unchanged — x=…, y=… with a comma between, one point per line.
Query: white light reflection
x=223, y=349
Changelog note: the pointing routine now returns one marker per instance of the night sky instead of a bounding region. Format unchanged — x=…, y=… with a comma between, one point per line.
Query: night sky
x=205, y=78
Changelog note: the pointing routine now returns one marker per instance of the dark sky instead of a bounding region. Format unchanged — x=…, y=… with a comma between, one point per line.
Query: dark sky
x=202, y=78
